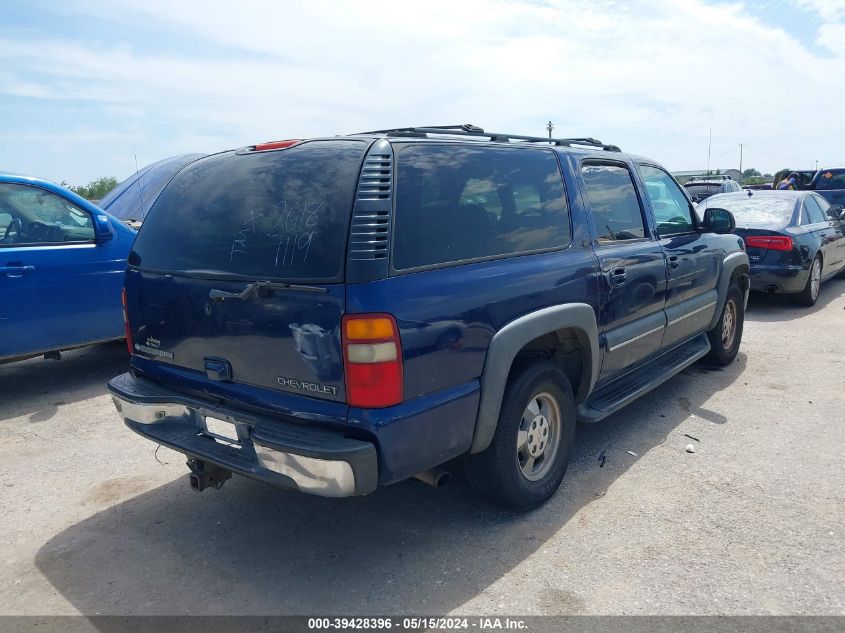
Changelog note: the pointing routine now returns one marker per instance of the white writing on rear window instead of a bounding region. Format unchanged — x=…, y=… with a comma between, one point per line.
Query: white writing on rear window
x=291, y=229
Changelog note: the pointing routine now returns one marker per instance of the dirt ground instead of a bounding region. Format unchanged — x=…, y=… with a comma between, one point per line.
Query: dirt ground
x=94, y=520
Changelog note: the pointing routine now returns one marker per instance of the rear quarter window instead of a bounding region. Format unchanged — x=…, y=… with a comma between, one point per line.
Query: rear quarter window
x=280, y=215
x=458, y=203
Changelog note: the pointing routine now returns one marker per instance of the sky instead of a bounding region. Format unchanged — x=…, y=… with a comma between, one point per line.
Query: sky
x=89, y=85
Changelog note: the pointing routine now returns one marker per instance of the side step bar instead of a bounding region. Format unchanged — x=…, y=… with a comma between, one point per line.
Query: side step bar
x=630, y=386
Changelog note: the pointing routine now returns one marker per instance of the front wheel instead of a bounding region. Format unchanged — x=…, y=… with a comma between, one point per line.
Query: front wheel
x=727, y=333
x=529, y=452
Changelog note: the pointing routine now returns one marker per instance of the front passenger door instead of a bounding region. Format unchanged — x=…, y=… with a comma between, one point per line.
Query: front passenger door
x=633, y=269
x=691, y=259
x=58, y=287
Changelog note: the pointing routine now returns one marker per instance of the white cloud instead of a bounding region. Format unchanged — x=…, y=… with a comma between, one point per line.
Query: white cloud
x=827, y=9
x=832, y=37
x=652, y=78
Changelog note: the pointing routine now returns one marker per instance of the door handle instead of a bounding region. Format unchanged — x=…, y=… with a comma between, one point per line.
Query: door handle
x=617, y=276
x=16, y=271
x=674, y=261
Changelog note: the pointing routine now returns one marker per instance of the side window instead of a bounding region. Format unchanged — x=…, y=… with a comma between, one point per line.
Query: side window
x=613, y=202
x=672, y=211
x=29, y=215
x=456, y=203
x=482, y=193
x=824, y=205
x=813, y=211
x=526, y=198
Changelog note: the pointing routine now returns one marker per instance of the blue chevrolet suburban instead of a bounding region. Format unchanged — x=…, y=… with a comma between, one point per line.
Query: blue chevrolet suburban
x=341, y=313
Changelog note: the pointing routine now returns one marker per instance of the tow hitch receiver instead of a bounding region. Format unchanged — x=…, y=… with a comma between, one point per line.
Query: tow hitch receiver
x=205, y=475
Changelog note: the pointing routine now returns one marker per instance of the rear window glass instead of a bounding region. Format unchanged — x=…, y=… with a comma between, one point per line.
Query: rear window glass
x=703, y=189
x=831, y=179
x=753, y=211
x=271, y=215
x=457, y=203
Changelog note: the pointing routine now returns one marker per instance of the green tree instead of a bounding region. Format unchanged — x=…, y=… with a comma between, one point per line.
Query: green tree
x=751, y=173
x=95, y=189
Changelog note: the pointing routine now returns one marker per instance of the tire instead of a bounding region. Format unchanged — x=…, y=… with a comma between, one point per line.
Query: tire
x=726, y=337
x=810, y=294
x=538, y=410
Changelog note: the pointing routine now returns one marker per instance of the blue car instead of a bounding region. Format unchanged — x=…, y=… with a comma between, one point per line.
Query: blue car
x=342, y=313
x=131, y=200
x=62, y=263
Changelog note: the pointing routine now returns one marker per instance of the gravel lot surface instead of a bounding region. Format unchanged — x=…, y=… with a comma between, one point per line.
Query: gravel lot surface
x=92, y=520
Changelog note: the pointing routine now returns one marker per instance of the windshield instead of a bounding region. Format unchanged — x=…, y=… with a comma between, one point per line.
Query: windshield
x=280, y=215
x=755, y=211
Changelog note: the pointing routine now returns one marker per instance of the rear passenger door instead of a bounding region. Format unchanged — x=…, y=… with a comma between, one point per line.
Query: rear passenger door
x=692, y=260
x=632, y=319
x=823, y=230
x=838, y=227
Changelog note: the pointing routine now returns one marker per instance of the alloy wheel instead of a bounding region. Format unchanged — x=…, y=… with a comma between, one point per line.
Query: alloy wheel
x=729, y=324
x=815, y=278
x=539, y=436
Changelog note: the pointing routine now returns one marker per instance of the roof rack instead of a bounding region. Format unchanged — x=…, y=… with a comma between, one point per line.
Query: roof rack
x=467, y=129
x=711, y=177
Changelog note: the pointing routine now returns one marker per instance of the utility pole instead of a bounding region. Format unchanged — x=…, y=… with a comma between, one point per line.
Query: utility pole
x=740, y=159
x=550, y=126
x=817, y=165
x=709, y=145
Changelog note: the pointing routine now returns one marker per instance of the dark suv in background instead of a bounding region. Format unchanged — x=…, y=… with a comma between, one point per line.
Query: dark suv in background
x=341, y=313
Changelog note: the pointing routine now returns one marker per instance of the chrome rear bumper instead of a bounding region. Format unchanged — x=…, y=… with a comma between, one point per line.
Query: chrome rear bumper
x=291, y=454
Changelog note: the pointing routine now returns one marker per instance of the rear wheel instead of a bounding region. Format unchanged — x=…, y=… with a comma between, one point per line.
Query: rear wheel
x=810, y=294
x=529, y=453
x=726, y=335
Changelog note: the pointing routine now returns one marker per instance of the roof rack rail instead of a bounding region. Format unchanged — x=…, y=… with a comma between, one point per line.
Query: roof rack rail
x=467, y=129
x=710, y=177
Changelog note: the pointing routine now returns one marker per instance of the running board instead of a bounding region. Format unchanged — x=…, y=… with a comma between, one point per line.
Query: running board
x=630, y=386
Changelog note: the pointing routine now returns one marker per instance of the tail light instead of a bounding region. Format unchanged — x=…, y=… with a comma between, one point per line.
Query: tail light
x=372, y=359
x=126, y=327
x=772, y=242
x=263, y=147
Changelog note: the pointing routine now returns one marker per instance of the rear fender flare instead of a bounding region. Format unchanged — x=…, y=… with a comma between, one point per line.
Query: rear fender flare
x=732, y=264
x=506, y=344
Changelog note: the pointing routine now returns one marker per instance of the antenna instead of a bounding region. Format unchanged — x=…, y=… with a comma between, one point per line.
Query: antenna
x=138, y=179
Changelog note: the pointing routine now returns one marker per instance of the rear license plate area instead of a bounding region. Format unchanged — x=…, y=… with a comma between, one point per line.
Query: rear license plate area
x=222, y=431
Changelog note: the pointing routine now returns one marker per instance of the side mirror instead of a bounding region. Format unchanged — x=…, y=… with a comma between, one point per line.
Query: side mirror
x=835, y=211
x=719, y=220
x=103, y=228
